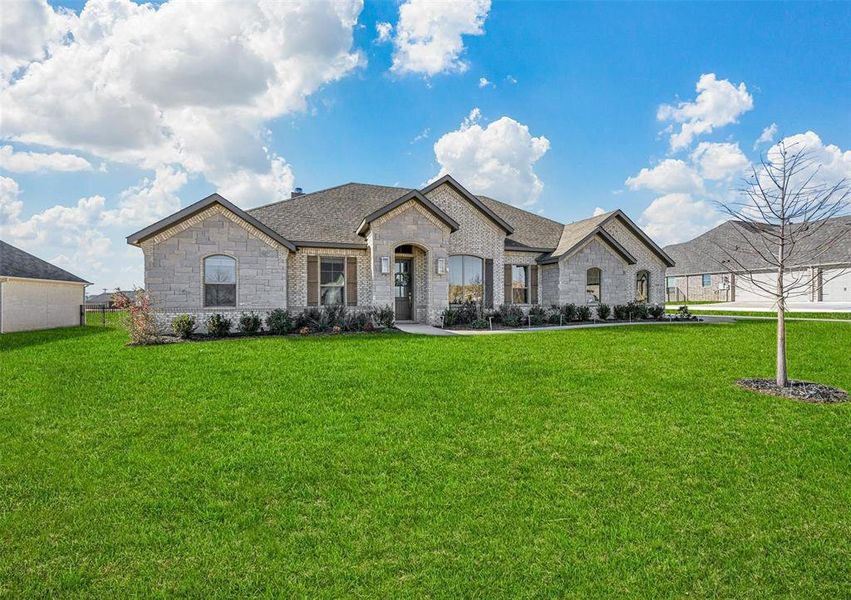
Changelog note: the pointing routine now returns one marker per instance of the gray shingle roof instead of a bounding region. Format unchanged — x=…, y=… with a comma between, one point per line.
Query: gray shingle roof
x=14, y=262
x=530, y=230
x=704, y=253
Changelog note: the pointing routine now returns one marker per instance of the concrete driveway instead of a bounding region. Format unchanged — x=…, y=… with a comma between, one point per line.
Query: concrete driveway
x=766, y=306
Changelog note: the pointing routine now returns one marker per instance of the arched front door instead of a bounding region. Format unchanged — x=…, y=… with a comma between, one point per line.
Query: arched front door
x=403, y=283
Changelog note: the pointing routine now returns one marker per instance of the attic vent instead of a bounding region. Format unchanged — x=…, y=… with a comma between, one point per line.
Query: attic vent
x=296, y=193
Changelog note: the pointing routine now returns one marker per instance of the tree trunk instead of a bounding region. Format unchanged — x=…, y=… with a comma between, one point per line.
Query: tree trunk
x=781, y=375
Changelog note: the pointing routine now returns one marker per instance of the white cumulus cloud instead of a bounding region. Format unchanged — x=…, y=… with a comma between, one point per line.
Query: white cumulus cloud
x=27, y=162
x=497, y=160
x=718, y=103
x=384, y=32
x=669, y=176
x=678, y=217
x=429, y=35
x=719, y=160
x=767, y=135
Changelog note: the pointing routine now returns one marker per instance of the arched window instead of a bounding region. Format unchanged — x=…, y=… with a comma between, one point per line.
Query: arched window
x=219, y=281
x=642, y=287
x=466, y=279
x=593, y=287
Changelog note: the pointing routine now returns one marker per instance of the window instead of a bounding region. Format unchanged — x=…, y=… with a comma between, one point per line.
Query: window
x=642, y=287
x=219, y=281
x=670, y=282
x=519, y=284
x=706, y=280
x=592, y=285
x=466, y=280
x=332, y=280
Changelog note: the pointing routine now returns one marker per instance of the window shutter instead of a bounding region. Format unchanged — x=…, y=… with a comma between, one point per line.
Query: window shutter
x=507, y=284
x=488, y=283
x=352, y=280
x=533, y=284
x=312, y=280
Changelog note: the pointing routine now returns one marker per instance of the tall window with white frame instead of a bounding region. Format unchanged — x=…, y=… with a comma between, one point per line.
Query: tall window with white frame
x=520, y=284
x=219, y=280
x=642, y=287
x=593, y=285
x=332, y=280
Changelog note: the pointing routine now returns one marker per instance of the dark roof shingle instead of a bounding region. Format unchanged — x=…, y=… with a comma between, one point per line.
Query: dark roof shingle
x=14, y=262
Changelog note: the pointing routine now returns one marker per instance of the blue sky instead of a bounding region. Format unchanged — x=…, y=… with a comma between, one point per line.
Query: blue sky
x=580, y=86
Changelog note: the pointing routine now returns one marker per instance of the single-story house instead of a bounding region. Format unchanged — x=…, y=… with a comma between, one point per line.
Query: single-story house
x=35, y=294
x=106, y=298
x=705, y=271
x=417, y=250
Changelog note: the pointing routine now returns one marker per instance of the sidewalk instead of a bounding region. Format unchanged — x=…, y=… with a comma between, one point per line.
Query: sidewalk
x=420, y=329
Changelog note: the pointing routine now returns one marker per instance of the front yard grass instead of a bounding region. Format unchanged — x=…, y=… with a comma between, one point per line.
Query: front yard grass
x=600, y=462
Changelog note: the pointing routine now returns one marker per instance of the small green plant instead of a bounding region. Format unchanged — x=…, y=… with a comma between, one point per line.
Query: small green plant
x=583, y=313
x=568, y=312
x=656, y=311
x=385, y=317
x=510, y=315
x=604, y=311
x=537, y=315
x=480, y=324
x=450, y=317
x=279, y=322
x=184, y=326
x=683, y=313
x=249, y=324
x=357, y=321
x=218, y=325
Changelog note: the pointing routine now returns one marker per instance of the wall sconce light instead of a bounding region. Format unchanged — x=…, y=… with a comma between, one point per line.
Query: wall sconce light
x=441, y=266
x=385, y=264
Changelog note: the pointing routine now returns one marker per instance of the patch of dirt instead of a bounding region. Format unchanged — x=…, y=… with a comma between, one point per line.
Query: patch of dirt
x=805, y=391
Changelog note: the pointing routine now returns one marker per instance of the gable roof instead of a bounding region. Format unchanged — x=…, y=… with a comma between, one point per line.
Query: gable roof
x=474, y=200
x=143, y=234
x=412, y=195
x=574, y=235
x=706, y=253
x=14, y=262
x=532, y=232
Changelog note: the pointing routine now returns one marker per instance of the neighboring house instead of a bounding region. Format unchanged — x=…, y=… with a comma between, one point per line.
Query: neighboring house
x=106, y=298
x=705, y=271
x=416, y=250
x=35, y=294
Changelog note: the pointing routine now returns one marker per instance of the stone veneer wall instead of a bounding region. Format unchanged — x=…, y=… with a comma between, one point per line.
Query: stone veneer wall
x=519, y=258
x=690, y=288
x=411, y=224
x=477, y=234
x=646, y=260
x=549, y=284
x=297, y=266
x=174, y=265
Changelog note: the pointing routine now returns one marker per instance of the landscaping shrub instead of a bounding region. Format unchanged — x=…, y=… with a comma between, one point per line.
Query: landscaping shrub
x=334, y=316
x=184, y=326
x=218, y=325
x=279, y=322
x=554, y=316
x=450, y=317
x=480, y=324
x=637, y=310
x=583, y=313
x=385, y=317
x=568, y=312
x=683, y=312
x=249, y=323
x=312, y=317
x=357, y=321
x=139, y=319
x=537, y=315
x=604, y=311
x=657, y=311
x=510, y=315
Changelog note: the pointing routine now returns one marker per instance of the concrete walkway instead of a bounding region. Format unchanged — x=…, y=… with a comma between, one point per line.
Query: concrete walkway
x=768, y=306
x=420, y=329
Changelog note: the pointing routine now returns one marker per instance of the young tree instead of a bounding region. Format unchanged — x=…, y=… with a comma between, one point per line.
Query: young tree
x=781, y=218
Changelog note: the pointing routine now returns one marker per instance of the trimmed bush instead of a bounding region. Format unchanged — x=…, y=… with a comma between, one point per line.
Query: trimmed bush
x=184, y=326
x=604, y=311
x=450, y=317
x=621, y=312
x=385, y=317
x=510, y=315
x=279, y=322
x=357, y=321
x=218, y=325
x=480, y=324
x=568, y=312
x=249, y=324
x=537, y=315
x=657, y=311
x=583, y=313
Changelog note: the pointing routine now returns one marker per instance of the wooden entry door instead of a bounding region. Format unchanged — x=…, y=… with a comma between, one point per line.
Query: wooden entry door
x=404, y=288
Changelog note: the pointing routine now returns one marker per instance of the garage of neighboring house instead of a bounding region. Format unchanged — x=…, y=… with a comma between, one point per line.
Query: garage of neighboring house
x=748, y=290
x=836, y=285
x=35, y=294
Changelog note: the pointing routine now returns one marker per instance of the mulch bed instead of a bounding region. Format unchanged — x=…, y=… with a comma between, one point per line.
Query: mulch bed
x=805, y=391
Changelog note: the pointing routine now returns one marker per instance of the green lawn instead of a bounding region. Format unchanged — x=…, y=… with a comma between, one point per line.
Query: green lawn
x=750, y=313
x=601, y=462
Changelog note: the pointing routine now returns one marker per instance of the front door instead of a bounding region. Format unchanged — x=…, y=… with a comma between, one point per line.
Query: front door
x=403, y=286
